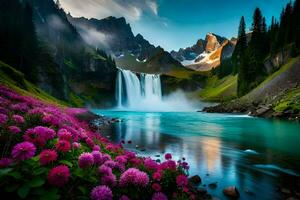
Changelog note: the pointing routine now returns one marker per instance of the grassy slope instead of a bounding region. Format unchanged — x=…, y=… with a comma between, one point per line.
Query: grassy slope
x=15, y=80
x=219, y=90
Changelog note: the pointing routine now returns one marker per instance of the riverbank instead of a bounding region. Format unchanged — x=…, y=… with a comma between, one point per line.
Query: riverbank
x=50, y=151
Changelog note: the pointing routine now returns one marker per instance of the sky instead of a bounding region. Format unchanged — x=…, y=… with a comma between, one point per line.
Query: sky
x=174, y=24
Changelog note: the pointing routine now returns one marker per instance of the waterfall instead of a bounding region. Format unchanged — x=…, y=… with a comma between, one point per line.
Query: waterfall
x=134, y=92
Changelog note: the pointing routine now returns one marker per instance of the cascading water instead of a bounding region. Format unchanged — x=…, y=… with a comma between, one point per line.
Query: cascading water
x=132, y=91
x=143, y=92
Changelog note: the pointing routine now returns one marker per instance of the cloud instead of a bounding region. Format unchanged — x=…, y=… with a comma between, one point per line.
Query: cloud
x=132, y=10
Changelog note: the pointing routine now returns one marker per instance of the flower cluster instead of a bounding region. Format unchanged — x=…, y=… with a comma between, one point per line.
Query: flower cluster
x=59, y=154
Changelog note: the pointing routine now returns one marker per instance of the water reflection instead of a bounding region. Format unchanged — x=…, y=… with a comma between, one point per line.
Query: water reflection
x=214, y=146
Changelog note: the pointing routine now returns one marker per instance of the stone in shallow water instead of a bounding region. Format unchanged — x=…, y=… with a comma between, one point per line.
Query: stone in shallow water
x=231, y=191
x=195, y=180
x=213, y=185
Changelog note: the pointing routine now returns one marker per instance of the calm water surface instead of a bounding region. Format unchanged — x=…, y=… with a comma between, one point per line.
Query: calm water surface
x=257, y=155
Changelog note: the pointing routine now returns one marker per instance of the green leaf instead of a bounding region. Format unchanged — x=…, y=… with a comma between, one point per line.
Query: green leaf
x=50, y=195
x=5, y=171
x=36, y=158
x=23, y=191
x=16, y=175
x=39, y=171
x=37, y=182
x=11, y=188
x=66, y=163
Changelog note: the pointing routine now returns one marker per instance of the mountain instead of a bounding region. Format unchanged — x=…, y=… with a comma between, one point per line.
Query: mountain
x=206, y=54
x=86, y=75
x=115, y=36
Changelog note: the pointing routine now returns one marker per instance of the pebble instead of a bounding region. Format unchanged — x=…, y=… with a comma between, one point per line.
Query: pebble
x=231, y=191
x=213, y=185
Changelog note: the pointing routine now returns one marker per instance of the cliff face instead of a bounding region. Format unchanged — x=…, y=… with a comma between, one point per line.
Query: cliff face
x=206, y=54
x=82, y=71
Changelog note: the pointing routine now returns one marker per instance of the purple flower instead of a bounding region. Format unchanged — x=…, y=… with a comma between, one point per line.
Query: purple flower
x=104, y=170
x=97, y=157
x=85, y=160
x=18, y=119
x=106, y=157
x=14, y=129
x=50, y=119
x=159, y=196
x=110, y=163
x=109, y=180
x=101, y=193
x=5, y=162
x=135, y=177
x=168, y=156
x=23, y=151
x=3, y=118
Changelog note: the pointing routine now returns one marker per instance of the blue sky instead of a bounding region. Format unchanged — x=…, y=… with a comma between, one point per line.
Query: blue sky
x=173, y=24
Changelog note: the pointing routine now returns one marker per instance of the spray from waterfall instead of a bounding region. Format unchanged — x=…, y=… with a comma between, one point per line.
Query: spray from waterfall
x=143, y=92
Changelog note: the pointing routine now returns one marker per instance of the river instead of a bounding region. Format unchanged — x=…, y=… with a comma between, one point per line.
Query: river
x=258, y=156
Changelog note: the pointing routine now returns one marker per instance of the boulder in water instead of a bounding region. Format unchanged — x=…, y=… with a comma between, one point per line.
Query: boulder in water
x=231, y=191
x=195, y=180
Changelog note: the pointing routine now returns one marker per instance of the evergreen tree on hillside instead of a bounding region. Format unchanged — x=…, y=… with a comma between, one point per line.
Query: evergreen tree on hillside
x=296, y=24
x=241, y=45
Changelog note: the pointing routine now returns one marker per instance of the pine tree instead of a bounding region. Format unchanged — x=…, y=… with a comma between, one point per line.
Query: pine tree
x=296, y=25
x=241, y=44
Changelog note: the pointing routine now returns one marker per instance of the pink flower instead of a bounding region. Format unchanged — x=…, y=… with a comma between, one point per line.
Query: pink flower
x=23, y=151
x=63, y=134
x=59, y=176
x=3, y=118
x=14, y=129
x=135, y=177
x=90, y=142
x=76, y=145
x=85, y=160
x=18, y=119
x=124, y=198
x=101, y=193
x=5, y=162
x=156, y=187
x=63, y=146
x=110, y=163
x=121, y=159
x=157, y=176
x=47, y=156
x=96, y=148
x=150, y=164
x=50, y=119
x=181, y=180
x=168, y=156
x=159, y=196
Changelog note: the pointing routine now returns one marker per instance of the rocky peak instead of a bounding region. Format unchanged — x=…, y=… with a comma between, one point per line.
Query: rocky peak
x=212, y=43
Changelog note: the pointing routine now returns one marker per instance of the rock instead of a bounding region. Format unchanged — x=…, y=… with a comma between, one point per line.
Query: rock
x=137, y=146
x=213, y=185
x=285, y=191
x=231, y=191
x=202, y=190
x=143, y=150
x=215, y=198
x=157, y=155
x=292, y=198
x=195, y=180
x=158, y=160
